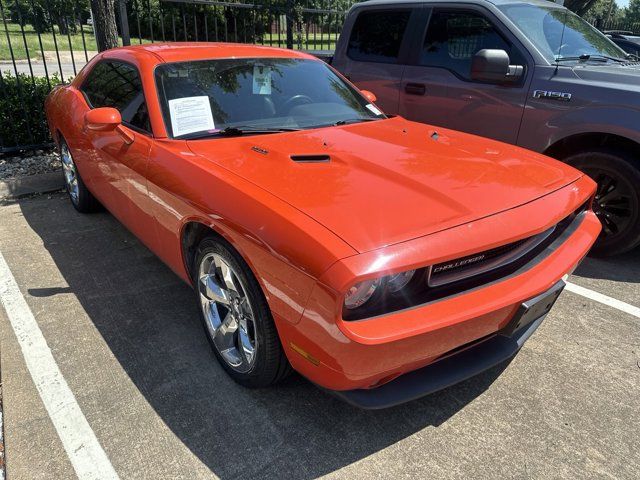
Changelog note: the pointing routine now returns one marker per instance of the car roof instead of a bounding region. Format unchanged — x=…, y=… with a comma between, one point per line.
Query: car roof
x=184, y=51
x=542, y=3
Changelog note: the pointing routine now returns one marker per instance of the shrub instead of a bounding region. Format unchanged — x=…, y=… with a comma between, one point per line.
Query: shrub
x=22, y=118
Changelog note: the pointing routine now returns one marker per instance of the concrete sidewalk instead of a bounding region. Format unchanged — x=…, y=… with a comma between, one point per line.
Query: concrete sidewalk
x=50, y=64
x=125, y=334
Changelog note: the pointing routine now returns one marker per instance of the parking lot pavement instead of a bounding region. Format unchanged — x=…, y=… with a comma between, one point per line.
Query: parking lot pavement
x=124, y=333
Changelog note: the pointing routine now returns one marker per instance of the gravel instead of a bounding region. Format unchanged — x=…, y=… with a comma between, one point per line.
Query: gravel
x=39, y=161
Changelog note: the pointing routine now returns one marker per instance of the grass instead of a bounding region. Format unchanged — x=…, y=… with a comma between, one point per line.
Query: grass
x=33, y=45
x=311, y=42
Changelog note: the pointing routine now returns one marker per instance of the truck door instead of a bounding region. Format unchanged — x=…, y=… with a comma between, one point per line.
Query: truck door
x=437, y=87
x=372, y=57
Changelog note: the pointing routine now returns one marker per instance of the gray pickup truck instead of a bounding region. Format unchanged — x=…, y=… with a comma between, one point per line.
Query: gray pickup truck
x=528, y=73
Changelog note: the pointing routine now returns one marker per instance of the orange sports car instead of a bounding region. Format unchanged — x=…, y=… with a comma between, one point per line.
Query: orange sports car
x=380, y=258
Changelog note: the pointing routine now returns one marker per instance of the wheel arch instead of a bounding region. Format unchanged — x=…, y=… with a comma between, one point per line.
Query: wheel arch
x=583, y=142
x=193, y=231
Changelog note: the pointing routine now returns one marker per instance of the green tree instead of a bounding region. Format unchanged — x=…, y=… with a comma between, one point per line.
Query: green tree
x=581, y=7
x=632, y=13
x=66, y=15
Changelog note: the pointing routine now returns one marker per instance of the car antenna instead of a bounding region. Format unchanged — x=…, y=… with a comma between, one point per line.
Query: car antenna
x=564, y=27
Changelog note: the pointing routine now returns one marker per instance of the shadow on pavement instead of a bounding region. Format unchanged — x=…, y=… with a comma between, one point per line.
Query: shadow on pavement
x=149, y=320
x=622, y=268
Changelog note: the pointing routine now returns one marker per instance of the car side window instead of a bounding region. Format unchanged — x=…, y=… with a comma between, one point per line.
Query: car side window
x=118, y=85
x=376, y=36
x=453, y=38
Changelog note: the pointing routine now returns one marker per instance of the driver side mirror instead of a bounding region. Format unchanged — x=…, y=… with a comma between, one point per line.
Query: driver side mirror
x=369, y=95
x=494, y=66
x=106, y=119
x=102, y=119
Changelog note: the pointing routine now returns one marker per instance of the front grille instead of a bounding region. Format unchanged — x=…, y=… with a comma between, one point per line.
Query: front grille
x=478, y=263
x=431, y=284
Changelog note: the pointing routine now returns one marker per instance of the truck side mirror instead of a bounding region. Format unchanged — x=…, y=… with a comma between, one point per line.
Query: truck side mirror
x=490, y=65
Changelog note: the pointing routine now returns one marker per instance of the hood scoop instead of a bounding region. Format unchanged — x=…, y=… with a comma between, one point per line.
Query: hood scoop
x=319, y=158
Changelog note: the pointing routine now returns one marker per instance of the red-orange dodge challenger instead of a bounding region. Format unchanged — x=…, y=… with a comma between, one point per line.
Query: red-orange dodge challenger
x=380, y=258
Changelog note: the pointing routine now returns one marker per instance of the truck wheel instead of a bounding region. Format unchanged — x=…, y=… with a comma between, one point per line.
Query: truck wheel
x=617, y=201
x=236, y=316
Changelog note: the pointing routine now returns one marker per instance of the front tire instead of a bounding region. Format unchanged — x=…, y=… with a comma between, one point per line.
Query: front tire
x=617, y=201
x=236, y=317
x=81, y=198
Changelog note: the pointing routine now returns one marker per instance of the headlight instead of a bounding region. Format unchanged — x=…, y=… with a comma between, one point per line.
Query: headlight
x=398, y=281
x=362, y=292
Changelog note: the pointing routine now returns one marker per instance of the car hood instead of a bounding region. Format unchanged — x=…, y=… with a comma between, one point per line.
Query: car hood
x=624, y=76
x=388, y=181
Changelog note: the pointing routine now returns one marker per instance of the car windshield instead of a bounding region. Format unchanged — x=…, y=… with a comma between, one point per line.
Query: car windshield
x=255, y=95
x=545, y=27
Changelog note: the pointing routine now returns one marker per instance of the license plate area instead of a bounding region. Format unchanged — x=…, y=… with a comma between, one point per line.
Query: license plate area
x=533, y=309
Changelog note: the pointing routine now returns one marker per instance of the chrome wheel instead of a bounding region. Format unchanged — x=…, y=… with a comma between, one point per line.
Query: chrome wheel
x=228, y=313
x=70, y=173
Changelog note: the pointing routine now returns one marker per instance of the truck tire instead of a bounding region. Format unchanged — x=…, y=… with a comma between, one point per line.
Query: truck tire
x=617, y=201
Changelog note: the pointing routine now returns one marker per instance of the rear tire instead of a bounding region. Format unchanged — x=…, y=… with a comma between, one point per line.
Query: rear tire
x=81, y=198
x=617, y=202
x=236, y=317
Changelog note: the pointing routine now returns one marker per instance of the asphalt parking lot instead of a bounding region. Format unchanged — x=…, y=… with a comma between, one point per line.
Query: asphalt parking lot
x=125, y=335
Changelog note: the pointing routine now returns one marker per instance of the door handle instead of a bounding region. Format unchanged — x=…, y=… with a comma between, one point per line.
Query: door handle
x=415, y=88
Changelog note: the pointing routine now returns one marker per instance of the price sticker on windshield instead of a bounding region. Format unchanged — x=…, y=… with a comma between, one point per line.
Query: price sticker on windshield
x=261, y=80
x=190, y=114
x=373, y=109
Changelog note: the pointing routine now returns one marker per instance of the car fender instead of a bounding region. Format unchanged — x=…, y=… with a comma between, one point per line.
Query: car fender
x=544, y=127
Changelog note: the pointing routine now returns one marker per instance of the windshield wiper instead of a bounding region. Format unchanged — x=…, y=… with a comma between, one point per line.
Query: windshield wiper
x=353, y=120
x=242, y=130
x=591, y=56
x=238, y=131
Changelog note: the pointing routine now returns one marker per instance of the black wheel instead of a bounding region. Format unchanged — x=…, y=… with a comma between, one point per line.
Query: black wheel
x=617, y=201
x=236, y=317
x=81, y=198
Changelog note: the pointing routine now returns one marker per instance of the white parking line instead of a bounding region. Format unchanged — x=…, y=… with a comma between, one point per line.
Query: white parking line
x=604, y=299
x=83, y=449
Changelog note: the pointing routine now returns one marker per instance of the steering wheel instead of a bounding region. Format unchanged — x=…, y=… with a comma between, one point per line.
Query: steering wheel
x=301, y=99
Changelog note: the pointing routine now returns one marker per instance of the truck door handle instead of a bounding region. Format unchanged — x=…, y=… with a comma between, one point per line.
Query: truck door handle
x=415, y=89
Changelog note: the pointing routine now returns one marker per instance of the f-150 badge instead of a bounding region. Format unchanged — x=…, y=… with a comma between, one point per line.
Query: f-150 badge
x=560, y=96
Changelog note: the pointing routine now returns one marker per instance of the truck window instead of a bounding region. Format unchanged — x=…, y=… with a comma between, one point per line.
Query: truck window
x=453, y=38
x=376, y=36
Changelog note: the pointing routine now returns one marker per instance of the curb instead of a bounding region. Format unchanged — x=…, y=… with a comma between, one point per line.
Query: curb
x=14, y=188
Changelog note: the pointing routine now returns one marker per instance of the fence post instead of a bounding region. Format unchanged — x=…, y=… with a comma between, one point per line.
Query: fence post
x=289, y=23
x=124, y=23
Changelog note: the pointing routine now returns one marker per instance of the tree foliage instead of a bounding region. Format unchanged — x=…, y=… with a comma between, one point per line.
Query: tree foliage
x=43, y=15
x=632, y=13
x=581, y=7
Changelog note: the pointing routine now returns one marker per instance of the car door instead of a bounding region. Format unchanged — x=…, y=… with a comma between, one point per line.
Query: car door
x=120, y=161
x=373, y=57
x=438, y=89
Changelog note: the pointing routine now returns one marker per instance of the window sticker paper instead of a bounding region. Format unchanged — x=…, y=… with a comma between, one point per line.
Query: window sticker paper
x=261, y=80
x=374, y=109
x=190, y=114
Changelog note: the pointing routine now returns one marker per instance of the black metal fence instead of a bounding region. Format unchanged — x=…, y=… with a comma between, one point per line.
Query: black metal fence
x=630, y=28
x=47, y=42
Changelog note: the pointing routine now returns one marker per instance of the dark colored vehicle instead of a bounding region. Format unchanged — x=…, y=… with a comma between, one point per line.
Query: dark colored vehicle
x=528, y=73
x=628, y=42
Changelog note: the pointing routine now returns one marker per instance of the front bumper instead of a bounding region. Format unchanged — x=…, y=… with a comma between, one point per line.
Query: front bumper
x=450, y=369
x=368, y=354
